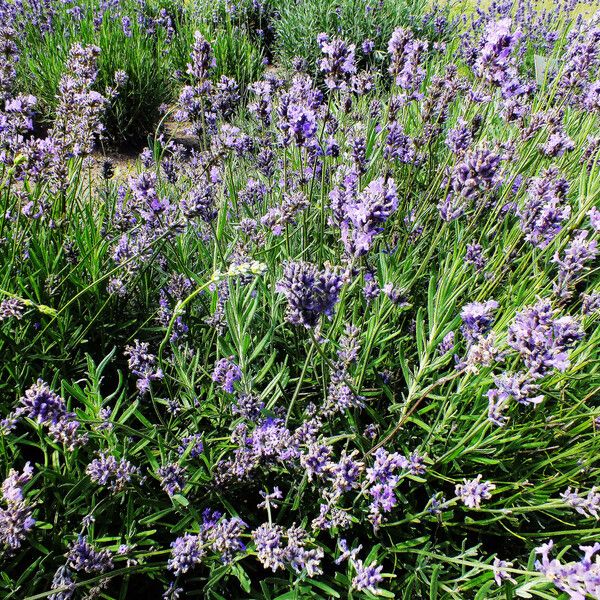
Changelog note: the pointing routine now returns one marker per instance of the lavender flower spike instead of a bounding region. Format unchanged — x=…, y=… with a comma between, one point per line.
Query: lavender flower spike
x=310, y=292
x=472, y=492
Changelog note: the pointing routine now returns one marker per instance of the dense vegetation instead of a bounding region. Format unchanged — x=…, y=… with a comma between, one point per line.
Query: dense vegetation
x=334, y=335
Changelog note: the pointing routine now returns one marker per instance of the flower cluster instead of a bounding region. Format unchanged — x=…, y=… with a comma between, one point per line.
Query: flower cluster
x=143, y=365
x=11, y=308
x=46, y=407
x=269, y=442
x=477, y=318
x=84, y=556
x=542, y=339
x=106, y=470
x=472, y=492
x=578, y=579
x=172, y=478
x=588, y=505
x=545, y=210
x=338, y=65
x=310, y=292
x=278, y=548
x=364, y=216
x=16, y=517
x=382, y=478
x=580, y=251
x=226, y=373
x=405, y=59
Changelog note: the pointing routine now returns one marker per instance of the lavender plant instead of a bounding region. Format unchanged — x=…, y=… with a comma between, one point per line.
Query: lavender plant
x=342, y=342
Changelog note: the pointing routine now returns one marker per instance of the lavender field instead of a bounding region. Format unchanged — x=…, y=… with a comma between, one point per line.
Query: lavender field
x=299, y=299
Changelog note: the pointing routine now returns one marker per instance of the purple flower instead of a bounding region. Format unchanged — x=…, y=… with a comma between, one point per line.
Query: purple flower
x=581, y=60
x=200, y=202
x=194, y=443
x=12, y=487
x=346, y=553
x=579, y=579
x=226, y=97
x=225, y=538
x=395, y=295
x=278, y=217
x=63, y=580
x=262, y=107
x=340, y=396
x=297, y=112
x=85, y=557
x=274, y=553
x=269, y=442
x=542, y=339
x=594, y=215
x=365, y=216
x=517, y=386
x=405, y=59
x=345, y=473
x=500, y=573
x=474, y=256
x=316, y=461
x=451, y=208
x=477, y=319
x=399, y=146
x=269, y=499
x=248, y=406
x=310, y=292
x=15, y=520
x=579, y=252
x=126, y=24
x=344, y=193
x=10, y=59
x=371, y=288
x=367, y=46
x=557, y=144
x=381, y=481
x=232, y=138
x=358, y=148
x=145, y=195
x=186, y=552
x=545, y=211
x=588, y=505
x=41, y=404
x=66, y=432
x=108, y=471
x=367, y=576
x=143, y=364
x=226, y=373
x=12, y=308
x=302, y=122
x=591, y=99
x=338, y=65
x=460, y=137
x=495, y=62
x=478, y=173
x=202, y=59
x=590, y=303
x=471, y=493
x=77, y=120
x=447, y=344
x=253, y=193
x=172, y=478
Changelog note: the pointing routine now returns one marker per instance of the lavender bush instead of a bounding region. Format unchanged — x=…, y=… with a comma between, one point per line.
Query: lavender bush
x=343, y=342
